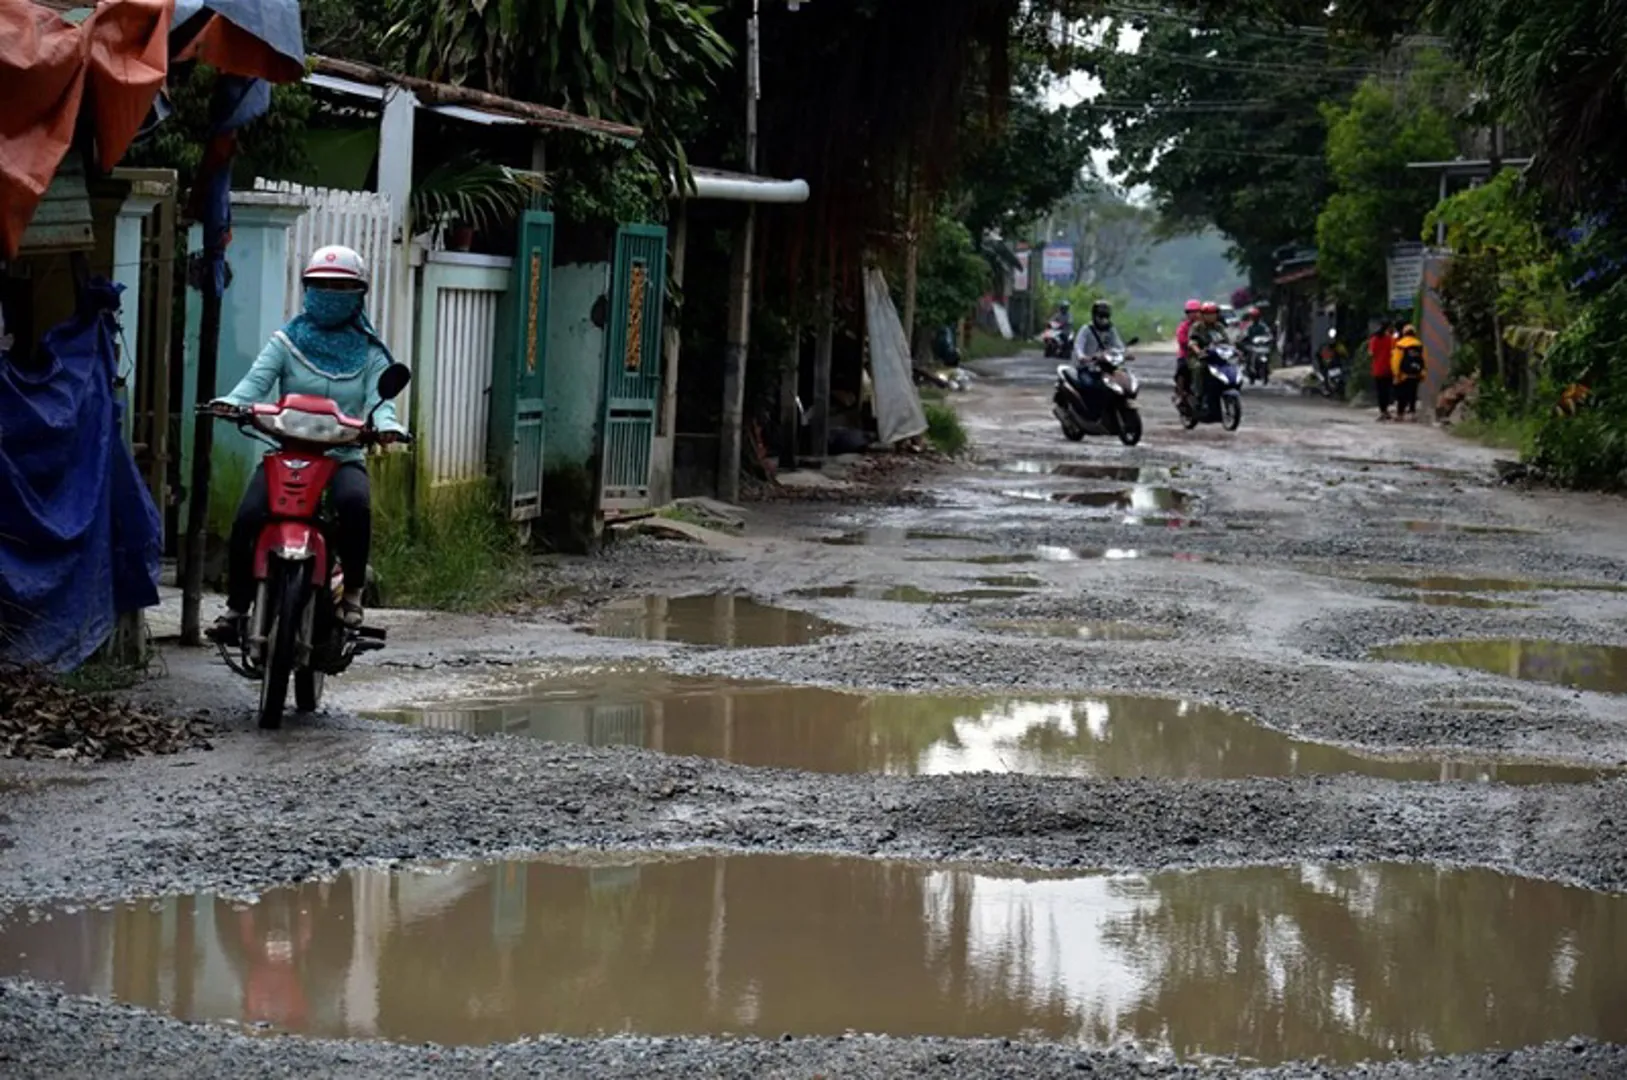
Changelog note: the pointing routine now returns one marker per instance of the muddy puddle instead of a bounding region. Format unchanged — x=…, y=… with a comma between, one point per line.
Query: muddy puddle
x=1601, y=668
x=1082, y=631
x=1013, y=559
x=1077, y=470
x=896, y=536
x=723, y=620
x=906, y=594
x=1268, y=964
x=832, y=731
x=1053, y=553
x=1455, y=600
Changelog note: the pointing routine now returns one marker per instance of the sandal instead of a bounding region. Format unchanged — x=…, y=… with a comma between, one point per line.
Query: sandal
x=350, y=613
x=228, y=629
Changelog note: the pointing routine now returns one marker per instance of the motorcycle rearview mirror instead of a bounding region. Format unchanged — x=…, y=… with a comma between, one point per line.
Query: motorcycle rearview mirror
x=1132, y=341
x=393, y=381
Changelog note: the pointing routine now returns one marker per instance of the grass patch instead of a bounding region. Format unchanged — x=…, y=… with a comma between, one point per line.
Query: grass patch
x=1517, y=433
x=984, y=345
x=102, y=675
x=458, y=554
x=944, y=429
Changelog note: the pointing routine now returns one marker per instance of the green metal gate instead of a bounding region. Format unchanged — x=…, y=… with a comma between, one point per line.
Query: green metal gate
x=518, y=381
x=632, y=382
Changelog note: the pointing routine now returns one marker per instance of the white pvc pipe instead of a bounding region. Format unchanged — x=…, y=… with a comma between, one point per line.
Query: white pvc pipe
x=752, y=191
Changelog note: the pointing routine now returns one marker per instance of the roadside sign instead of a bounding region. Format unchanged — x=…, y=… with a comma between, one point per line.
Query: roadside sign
x=1406, y=274
x=1019, y=278
x=1058, y=265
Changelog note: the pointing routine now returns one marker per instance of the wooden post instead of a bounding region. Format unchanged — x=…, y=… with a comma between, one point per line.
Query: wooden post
x=666, y=419
x=824, y=334
x=790, y=430
x=736, y=350
x=912, y=279
x=203, y=443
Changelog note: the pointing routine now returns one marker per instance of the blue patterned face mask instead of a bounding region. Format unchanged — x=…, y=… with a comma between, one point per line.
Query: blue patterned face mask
x=332, y=308
x=333, y=333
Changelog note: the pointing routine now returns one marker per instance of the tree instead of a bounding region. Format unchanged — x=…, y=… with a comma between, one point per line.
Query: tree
x=1224, y=124
x=650, y=63
x=1378, y=200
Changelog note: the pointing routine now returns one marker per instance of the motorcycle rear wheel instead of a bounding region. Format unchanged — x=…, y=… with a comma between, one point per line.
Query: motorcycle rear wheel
x=286, y=600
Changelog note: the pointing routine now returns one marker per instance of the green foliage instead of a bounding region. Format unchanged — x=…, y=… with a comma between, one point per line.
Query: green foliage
x=1225, y=125
x=474, y=192
x=951, y=276
x=1590, y=448
x=273, y=145
x=650, y=63
x=944, y=429
x=1377, y=200
x=457, y=554
x=1016, y=173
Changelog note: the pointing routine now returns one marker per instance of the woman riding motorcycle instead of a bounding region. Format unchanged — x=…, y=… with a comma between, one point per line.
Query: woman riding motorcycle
x=331, y=351
x=1207, y=331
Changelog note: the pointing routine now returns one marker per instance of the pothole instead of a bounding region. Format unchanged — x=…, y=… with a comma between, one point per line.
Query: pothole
x=815, y=729
x=1452, y=584
x=722, y=620
x=1456, y=600
x=1118, y=474
x=895, y=536
x=906, y=594
x=1601, y=668
x=1082, y=631
x=1267, y=964
x=1456, y=527
x=1013, y=559
x=1055, y=553
x=1011, y=581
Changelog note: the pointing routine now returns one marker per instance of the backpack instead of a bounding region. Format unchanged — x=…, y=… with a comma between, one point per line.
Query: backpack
x=1412, y=361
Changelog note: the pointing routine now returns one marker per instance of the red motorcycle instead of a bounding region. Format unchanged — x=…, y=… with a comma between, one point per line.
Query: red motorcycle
x=294, y=630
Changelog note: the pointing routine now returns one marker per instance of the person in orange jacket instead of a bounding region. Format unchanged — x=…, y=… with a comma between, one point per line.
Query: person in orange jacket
x=1407, y=367
x=1381, y=347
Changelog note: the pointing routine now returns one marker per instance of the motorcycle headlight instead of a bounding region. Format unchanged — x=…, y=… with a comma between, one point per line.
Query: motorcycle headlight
x=310, y=427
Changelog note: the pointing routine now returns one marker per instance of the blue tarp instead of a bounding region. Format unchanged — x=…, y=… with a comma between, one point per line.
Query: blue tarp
x=80, y=538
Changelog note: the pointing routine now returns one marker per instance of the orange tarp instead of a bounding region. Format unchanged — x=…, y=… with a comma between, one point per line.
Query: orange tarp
x=119, y=54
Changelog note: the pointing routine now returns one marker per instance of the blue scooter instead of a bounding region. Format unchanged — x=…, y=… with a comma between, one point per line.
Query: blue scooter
x=1220, y=398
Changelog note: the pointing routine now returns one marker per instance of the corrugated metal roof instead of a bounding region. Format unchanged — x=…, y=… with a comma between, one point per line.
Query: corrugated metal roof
x=461, y=101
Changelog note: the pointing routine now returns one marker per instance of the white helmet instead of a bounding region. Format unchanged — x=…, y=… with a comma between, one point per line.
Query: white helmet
x=335, y=263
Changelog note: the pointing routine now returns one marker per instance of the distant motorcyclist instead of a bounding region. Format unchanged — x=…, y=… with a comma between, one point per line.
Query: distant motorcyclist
x=1207, y=332
x=1193, y=311
x=1100, y=336
x=1255, y=329
x=1064, y=316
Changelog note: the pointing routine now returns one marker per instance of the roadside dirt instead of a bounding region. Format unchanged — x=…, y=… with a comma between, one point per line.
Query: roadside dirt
x=1270, y=562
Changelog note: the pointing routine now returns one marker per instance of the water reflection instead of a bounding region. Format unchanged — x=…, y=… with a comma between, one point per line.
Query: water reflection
x=819, y=730
x=1269, y=964
x=1600, y=668
x=724, y=620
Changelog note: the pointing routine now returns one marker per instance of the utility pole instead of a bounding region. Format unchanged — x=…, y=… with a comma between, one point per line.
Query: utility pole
x=737, y=347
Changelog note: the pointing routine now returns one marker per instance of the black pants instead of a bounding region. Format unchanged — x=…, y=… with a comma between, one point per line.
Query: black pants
x=352, y=500
x=1406, y=397
x=1385, y=385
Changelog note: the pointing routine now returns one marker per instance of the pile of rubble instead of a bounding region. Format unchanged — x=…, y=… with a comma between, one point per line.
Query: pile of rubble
x=42, y=718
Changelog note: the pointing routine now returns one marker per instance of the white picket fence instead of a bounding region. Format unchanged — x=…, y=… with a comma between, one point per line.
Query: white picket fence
x=359, y=220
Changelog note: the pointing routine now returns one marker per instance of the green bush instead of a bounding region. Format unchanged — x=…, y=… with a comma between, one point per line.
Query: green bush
x=458, y=554
x=944, y=429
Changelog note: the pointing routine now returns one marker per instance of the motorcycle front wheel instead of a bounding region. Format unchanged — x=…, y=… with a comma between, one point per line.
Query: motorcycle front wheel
x=1231, y=412
x=1129, y=426
x=286, y=600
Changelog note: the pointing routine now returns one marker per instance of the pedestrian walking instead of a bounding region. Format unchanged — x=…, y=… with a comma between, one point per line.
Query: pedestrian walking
x=1381, y=348
x=1407, y=368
